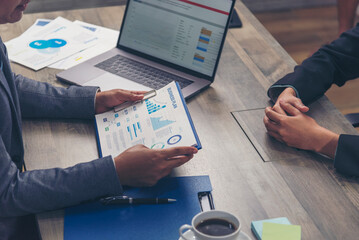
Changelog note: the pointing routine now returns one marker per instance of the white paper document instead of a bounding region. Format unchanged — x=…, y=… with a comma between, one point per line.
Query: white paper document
x=158, y=122
x=39, y=24
x=56, y=40
x=107, y=39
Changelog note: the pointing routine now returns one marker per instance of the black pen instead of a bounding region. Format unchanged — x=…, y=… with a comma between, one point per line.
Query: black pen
x=128, y=200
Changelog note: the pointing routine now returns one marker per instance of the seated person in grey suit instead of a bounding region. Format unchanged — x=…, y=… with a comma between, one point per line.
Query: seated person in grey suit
x=287, y=122
x=24, y=193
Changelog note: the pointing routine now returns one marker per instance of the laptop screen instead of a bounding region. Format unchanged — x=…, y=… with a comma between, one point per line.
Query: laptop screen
x=188, y=33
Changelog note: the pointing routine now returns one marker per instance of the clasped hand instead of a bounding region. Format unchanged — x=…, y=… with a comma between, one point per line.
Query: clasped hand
x=287, y=122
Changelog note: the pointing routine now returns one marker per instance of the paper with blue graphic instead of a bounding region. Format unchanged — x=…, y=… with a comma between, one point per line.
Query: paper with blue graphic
x=158, y=122
x=107, y=39
x=52, y=42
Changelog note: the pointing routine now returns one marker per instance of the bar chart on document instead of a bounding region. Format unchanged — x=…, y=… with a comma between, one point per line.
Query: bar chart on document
x=158, y=122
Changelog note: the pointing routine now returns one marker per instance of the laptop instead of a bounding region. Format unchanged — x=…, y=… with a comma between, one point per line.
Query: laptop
x=160, y=41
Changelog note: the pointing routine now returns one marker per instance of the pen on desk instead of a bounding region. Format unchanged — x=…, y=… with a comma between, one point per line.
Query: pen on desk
x=128, y=200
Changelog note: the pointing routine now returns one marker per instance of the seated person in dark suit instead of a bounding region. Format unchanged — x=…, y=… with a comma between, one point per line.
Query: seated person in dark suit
x=27, y=192
x=287, y=122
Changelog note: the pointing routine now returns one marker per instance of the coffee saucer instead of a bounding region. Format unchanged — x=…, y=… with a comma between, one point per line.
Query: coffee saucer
x=189, y=234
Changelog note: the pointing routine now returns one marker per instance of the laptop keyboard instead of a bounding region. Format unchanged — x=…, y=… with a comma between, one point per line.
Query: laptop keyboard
x=140, y=73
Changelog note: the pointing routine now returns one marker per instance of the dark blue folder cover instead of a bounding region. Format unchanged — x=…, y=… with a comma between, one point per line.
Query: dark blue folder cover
x=160, y=222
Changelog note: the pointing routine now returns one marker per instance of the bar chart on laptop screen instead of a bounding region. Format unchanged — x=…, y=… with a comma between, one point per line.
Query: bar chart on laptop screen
x=207, y=48
x=188, y=33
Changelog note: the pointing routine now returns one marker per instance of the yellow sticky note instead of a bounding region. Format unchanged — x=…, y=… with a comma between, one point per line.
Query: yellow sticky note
x=275, y=231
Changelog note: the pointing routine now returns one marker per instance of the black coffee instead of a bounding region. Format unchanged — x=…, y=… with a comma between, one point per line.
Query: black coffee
x=216, y=227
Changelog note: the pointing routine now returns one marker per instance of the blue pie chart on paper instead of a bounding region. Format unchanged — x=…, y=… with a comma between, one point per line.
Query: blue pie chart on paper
x=57, y=43
x=51, y=43
x=39, y=44
x=174, y=139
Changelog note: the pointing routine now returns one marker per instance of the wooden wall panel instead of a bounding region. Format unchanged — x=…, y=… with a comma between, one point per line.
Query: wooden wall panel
x=270, y=5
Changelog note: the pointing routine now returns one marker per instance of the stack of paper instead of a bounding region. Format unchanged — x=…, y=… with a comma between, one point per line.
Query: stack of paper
x=107, y=39
x=60, y=43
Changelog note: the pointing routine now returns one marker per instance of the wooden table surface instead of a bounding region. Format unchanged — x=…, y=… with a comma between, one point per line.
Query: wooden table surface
x=252, y=175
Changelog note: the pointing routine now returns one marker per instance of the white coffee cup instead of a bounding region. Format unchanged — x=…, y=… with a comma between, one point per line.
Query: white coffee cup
x=213, y=214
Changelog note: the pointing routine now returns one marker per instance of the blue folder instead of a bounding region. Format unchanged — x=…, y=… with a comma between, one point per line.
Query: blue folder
x=160, y=222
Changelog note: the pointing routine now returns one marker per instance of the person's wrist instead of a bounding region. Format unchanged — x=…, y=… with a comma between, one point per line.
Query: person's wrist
x=326, y=142
x=286, y=94
x=99, y=102
x=290, y=91
x=117, y=161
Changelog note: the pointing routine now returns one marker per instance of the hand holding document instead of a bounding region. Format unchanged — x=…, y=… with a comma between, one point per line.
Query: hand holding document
x=159, y=122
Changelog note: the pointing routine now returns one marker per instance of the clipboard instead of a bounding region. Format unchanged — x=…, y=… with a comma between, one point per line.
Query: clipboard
x=158, y=121
x=161, y=222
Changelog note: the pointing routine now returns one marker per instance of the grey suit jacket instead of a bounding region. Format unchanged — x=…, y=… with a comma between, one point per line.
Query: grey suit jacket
x=28, y=192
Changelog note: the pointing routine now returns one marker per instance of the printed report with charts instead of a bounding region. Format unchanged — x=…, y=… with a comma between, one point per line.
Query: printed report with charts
x=161, y=120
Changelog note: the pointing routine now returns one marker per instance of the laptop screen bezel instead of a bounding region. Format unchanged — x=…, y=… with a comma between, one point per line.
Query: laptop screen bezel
x=172, y=65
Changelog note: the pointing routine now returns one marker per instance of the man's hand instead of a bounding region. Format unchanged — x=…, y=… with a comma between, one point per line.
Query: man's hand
x=108, y=99
x=289, y=96
x=298, y=130
x=140, y=166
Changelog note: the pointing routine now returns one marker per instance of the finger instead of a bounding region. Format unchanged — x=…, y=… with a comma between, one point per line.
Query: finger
x=300, y=106
x=275, y=135
x=274, y=116
x=270, y=125
x=125, y=95
x=278, y=109
x=181, y=157
x=290, y=109
x=173, y=163
x=266, y=119
x=176, y=162
x=138, y=92
x=177, y=151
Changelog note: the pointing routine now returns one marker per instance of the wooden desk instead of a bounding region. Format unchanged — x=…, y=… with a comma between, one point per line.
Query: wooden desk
x=252, y=175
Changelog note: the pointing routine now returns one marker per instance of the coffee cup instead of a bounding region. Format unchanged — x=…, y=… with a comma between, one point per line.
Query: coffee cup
x=212, y=225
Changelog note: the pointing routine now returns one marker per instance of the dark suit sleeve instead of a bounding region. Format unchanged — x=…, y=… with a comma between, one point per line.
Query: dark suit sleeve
x=347, y=155
x=335, y=63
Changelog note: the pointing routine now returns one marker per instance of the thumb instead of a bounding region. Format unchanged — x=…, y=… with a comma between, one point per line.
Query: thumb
x=177, y=151
x=300, y=106
x=289, y=108
x=129, y=96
